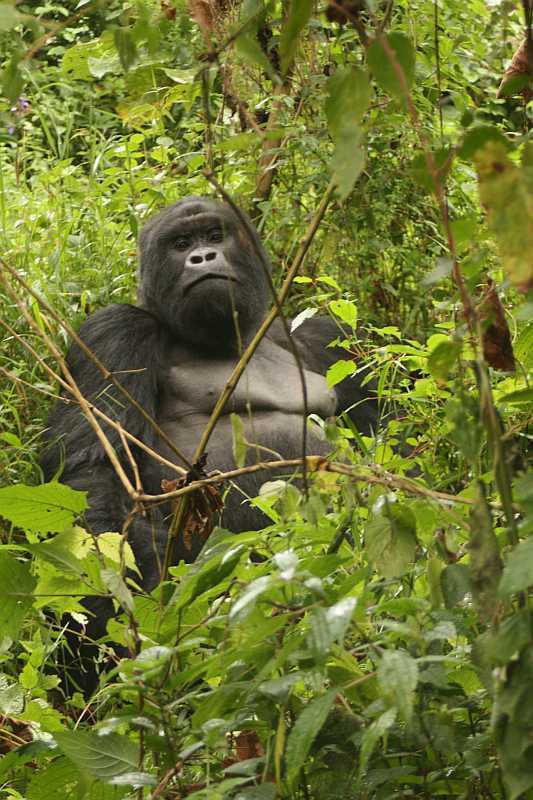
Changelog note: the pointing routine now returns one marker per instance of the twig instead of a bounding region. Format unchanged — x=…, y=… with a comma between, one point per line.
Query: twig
x=279, y=310
x=265, y=325
x=315, y=463
x=45, y=38
x=84, y=405
x=96, y=361
x=56, y=377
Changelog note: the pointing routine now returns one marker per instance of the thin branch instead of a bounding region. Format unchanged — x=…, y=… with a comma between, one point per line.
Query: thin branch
x=265, y=325
x=96, y=361
x=45, y=38
x=84, y=405
x=316, y=463
x=279, y=310
x=56, y=377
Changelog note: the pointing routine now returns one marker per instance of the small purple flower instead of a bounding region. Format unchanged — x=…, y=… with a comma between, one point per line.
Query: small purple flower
x=11, y=130
x=21, y=107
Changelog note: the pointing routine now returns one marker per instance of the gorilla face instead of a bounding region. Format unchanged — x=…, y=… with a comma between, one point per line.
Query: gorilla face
x=200, y=274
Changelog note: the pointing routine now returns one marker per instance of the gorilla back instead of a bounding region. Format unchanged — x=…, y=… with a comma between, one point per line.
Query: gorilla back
x=203, y=294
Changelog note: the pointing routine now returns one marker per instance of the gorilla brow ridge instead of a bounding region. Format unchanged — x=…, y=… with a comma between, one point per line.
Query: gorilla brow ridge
x=193, y=222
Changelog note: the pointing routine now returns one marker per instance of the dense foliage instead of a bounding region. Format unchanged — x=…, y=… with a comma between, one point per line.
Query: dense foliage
x=384, y=646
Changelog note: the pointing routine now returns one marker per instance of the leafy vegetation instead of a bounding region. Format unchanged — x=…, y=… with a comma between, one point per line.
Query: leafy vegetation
x=384, y=647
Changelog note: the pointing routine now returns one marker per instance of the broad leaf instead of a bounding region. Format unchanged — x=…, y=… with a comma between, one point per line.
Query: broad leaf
x=299, y=14
x=16, y=586
x=385, y=71
x=398, y=677
x=485, y=562
x=518, y=573
x=339, y=371
x=301, y=737
x=348, y=98
x=506, y=192
x=373, y=734
x=49, y=507
x=345, y=311
x=391, y=540
x=103, y=757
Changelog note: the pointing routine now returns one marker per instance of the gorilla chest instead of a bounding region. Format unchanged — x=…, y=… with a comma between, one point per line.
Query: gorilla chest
x=269, y=399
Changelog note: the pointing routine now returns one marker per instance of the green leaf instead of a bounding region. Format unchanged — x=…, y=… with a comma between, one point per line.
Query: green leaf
x=58, y=779
x=12, y=80
x=102, y=65
x=348, y=160
x=523, y=346
x=382, y=68
x=455, y=584
x=9, y=17
x=11, y=697
x=478, y=136
x=522, y=397
x=103, y=757
x=506, y=192
x=16, y=584
x=513, y=726
x=339, y=371
x=347, y=102
x=349, y=93
x=443, y=358
x=126, y=48
x=485, y=562
x=420, y=172
x=398, y=677
x=299, y=15
x=518, y=572
x=301, y=737
x=49, y=507
x=372, y=735
x=345, y=311
x=279, y=688
x=391, y=540
x=210, y=574
x=115, y=584
x=245, y=603
x=266, y=791
x=512, y=636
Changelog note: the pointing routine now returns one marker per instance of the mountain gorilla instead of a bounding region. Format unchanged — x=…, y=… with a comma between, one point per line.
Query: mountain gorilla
x=203, y=294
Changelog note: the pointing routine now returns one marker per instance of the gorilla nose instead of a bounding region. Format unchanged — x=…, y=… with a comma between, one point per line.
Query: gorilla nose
x=202, y=257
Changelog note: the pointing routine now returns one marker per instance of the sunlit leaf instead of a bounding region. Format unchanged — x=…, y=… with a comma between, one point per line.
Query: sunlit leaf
x=339, y=371
x=45, y=508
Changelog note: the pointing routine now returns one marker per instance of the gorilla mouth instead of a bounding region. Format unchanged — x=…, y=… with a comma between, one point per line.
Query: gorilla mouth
x=207, y=277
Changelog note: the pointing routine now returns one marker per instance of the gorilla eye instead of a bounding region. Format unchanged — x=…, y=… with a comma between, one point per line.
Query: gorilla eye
x=182, y=242
x=215, y=235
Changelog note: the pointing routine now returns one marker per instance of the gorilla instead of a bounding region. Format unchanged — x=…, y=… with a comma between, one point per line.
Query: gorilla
x=204, y=290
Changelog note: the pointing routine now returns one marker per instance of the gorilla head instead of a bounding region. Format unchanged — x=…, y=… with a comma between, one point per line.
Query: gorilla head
x=200, y=273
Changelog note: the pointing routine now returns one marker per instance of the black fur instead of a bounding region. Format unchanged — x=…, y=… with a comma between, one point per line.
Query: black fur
x=203, y=293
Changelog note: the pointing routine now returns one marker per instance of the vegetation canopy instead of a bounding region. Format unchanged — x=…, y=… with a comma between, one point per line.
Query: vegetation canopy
x=375, y=639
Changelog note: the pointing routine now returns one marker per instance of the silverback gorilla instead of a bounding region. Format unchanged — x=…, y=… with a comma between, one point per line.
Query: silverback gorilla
x=203, y=293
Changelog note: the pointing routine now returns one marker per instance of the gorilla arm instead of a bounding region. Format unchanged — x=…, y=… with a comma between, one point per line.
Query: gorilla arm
x=127, y=341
